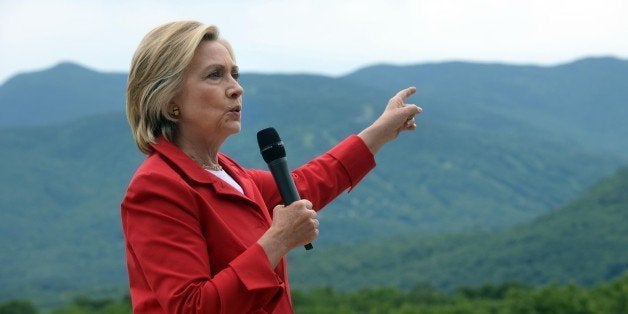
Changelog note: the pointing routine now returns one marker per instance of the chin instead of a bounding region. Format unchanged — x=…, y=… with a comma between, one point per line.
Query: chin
x=235, y=127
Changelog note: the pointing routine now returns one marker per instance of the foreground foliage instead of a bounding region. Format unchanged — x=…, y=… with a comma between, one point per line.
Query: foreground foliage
x=512, y=297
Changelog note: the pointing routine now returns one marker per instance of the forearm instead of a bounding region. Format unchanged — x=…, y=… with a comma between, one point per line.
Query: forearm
x=322, y=179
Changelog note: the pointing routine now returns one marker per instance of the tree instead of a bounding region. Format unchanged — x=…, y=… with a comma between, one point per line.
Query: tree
x=18, y=307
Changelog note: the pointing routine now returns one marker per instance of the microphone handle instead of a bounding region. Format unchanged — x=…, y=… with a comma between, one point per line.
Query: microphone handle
x=285, y=184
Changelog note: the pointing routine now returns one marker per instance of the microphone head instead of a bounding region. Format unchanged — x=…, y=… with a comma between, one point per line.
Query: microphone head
x=270, y=145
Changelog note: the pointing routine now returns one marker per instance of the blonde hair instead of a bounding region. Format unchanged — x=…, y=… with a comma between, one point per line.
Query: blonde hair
x=156, y=75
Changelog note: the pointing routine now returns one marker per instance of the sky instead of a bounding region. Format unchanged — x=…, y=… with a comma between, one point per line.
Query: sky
x=329, y=37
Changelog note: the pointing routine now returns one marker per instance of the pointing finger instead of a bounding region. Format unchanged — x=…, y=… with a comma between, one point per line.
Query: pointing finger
x=400, y=98
x=405, y=93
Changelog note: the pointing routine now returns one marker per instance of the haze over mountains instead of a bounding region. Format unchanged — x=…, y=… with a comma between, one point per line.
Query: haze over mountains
x=497, y=145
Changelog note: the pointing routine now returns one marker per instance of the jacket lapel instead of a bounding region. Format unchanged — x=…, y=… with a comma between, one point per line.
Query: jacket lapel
x=248, y=185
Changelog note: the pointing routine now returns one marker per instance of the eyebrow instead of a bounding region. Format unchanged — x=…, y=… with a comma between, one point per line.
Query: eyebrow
x=220, y=66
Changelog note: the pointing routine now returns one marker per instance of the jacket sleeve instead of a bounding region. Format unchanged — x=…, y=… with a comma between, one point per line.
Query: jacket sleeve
x=325, y=177
x=167, y=255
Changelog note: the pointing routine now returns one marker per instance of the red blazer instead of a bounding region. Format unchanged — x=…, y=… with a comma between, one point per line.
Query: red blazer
x=191, y=238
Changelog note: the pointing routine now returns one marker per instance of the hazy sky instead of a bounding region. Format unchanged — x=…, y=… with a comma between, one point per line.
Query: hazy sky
x=330, y=37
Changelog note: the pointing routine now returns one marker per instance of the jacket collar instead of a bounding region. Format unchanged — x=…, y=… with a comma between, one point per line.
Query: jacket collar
x=183, y=162
x=193, y=171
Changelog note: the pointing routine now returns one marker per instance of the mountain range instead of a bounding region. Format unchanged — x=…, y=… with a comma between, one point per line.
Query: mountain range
x=496, y=147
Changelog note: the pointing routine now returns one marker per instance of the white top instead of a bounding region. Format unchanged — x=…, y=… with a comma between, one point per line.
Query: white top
x=227, y=178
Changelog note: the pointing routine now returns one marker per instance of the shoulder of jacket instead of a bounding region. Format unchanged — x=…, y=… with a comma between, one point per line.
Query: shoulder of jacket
x=155, y=166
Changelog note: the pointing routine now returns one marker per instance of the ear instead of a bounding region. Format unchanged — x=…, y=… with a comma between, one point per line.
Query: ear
x=174, y=110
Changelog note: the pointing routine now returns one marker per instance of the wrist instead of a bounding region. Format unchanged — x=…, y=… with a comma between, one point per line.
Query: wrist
x=370, y=138
x=273, y=246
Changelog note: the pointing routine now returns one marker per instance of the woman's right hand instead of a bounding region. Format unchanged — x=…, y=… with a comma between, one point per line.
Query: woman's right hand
x=293, y=225
x=397, y=117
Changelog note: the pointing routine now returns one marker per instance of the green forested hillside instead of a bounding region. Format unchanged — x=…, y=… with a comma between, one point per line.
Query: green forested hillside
x=471, y=165
x=583, y=242
x=60, y=194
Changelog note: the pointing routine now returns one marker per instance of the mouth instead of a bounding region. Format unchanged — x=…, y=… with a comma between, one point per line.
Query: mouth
x=235, y=112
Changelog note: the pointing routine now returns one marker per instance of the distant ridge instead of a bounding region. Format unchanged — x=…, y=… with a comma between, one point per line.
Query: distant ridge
x=585, y=100
x=605, y=59
x=62, y=93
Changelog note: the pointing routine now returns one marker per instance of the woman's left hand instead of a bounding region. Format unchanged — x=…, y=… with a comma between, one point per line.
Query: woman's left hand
x=397, y=117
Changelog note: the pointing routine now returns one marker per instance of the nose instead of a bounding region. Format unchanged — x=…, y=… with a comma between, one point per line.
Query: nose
x=235, y=90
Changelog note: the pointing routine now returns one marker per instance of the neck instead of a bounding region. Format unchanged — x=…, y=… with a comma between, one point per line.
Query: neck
x=205, y=154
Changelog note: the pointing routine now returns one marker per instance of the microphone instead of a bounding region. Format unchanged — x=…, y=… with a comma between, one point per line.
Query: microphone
x=274, y=154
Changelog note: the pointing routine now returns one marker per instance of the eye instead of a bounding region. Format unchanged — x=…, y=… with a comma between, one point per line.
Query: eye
x=235, y=75
x=216, y=74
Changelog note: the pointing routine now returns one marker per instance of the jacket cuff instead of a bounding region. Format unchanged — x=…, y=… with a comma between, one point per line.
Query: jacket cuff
x=355, y=157
x=253, y=269
x=250, y=283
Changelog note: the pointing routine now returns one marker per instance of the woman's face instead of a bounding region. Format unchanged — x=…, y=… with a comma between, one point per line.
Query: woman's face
x=210, y=101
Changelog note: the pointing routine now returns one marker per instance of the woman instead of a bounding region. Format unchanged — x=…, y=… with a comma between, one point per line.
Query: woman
x=203, y=234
